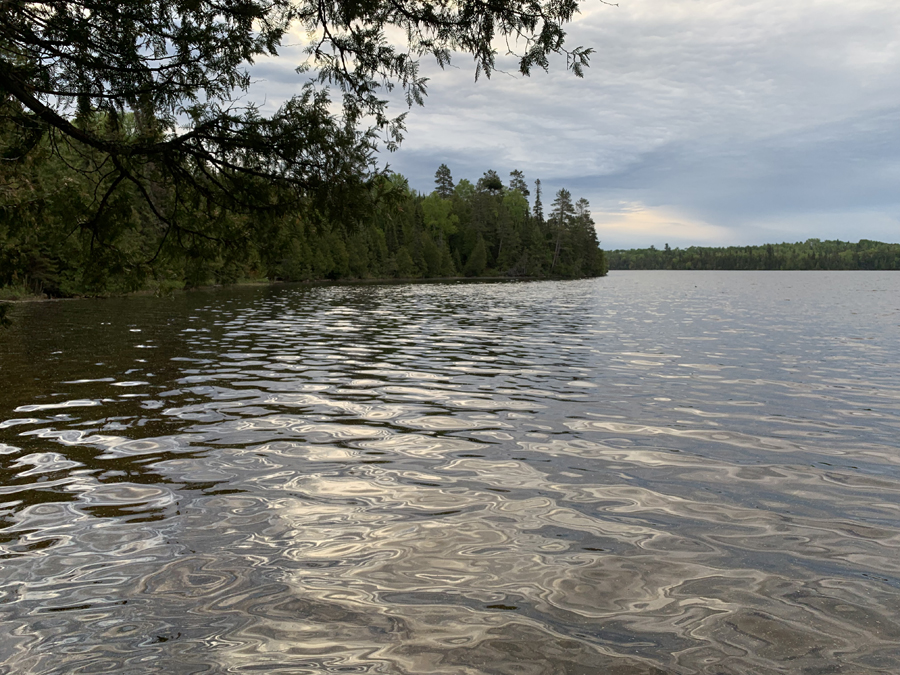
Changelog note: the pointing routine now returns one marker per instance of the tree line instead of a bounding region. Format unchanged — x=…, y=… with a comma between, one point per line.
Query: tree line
x=133, y=154
x=812, y=254
x=54, y=240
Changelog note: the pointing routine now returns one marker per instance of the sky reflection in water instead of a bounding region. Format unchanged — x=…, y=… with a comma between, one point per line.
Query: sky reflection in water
x=650, y=473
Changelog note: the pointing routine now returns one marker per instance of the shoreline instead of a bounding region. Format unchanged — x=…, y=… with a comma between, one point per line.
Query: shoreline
x=385, y=281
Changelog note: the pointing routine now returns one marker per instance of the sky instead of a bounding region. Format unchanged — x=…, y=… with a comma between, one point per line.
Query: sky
x=699, y=122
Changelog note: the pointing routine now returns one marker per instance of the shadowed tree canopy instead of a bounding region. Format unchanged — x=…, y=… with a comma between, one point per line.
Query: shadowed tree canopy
x=490, y=182
x=154, y=92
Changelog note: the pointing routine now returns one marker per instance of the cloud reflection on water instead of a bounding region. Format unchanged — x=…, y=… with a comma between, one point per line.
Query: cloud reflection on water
x=438, y=491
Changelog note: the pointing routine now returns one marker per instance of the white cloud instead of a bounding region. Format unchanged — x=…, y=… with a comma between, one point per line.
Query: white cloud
x=736, y=119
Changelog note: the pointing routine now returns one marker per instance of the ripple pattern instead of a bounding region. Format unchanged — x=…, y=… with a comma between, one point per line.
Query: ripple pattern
x=654, y=473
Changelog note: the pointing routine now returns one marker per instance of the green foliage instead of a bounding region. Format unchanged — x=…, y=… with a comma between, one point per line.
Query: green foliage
x=439, y=216
x=444, y=182
x=812, y=254
x=47, y=248
x=477, y=261
x=517, y=182
x=131, y=156
x=538, y=204
x=464, y=191
x=153, y=95
x=516, y=205
x=490, y=182
x=405, y=267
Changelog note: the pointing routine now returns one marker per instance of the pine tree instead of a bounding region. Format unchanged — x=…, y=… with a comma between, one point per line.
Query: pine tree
x=405, y=268
x=538, y=205
x=154, y=98
x=592, y=260
x=561, y=217
x=490, y=182
x=444, y=182
x=517, y=182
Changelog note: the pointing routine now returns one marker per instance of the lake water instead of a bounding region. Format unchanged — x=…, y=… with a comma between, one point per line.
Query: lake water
x=655, y=472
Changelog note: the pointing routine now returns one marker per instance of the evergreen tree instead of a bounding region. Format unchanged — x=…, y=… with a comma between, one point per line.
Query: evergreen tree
x=517, y=182
x=490, y=182
x=150, y=99
x=477, y=261
x=431, y=256
x=538, y=205
x=444, y=182
x=591, y=260
x=561, y=218
x=448, y=266
x=404, y=265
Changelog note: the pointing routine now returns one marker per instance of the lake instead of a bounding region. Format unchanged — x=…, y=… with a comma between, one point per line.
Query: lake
x=654, y=472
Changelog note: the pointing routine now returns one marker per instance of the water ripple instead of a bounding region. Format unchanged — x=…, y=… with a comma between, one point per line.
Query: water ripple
x=654, y=473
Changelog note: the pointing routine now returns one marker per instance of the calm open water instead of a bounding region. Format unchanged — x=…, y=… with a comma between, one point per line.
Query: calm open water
x=656, y=472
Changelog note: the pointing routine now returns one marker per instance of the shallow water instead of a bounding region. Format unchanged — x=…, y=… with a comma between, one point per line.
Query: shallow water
x=656, y=472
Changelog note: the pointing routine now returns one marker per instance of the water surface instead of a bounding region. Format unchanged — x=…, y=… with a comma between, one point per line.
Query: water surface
x=655, y=472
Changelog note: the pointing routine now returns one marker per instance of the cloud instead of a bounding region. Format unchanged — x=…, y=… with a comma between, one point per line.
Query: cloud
x=736, y=114
x=637, y=225
x=727, y=120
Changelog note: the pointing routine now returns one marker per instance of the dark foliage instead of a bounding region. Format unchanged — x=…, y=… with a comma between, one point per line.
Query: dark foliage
x=400, y=234
x=812, y=254
x=130, y=121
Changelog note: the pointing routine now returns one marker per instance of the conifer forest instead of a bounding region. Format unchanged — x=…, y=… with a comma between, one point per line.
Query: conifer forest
x=812, y=254
x=134, y=155
x=56, y=241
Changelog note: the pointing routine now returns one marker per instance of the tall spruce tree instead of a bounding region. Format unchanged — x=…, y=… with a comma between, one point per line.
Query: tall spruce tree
x=477, y=261
x=561, y=218
x=443, y=181
x=592, y=260
x=538, y=205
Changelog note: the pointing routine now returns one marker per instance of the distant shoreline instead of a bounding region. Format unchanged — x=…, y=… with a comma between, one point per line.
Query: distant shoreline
x=812, y=254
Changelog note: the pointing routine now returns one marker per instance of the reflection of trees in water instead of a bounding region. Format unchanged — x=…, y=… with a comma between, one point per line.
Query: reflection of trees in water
x=545, y=477
x=61, y=352
x=94, y=468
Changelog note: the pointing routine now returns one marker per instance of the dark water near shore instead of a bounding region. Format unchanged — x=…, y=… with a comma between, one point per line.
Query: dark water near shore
x=656, y=472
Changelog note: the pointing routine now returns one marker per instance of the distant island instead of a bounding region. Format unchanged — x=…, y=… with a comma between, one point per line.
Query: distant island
x=811, y=254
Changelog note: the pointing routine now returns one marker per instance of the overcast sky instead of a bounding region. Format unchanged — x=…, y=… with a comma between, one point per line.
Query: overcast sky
x=699, y=122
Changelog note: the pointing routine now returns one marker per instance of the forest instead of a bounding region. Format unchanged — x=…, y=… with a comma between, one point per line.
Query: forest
x=811, y=254
x=61, y=235
x=134, y=155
